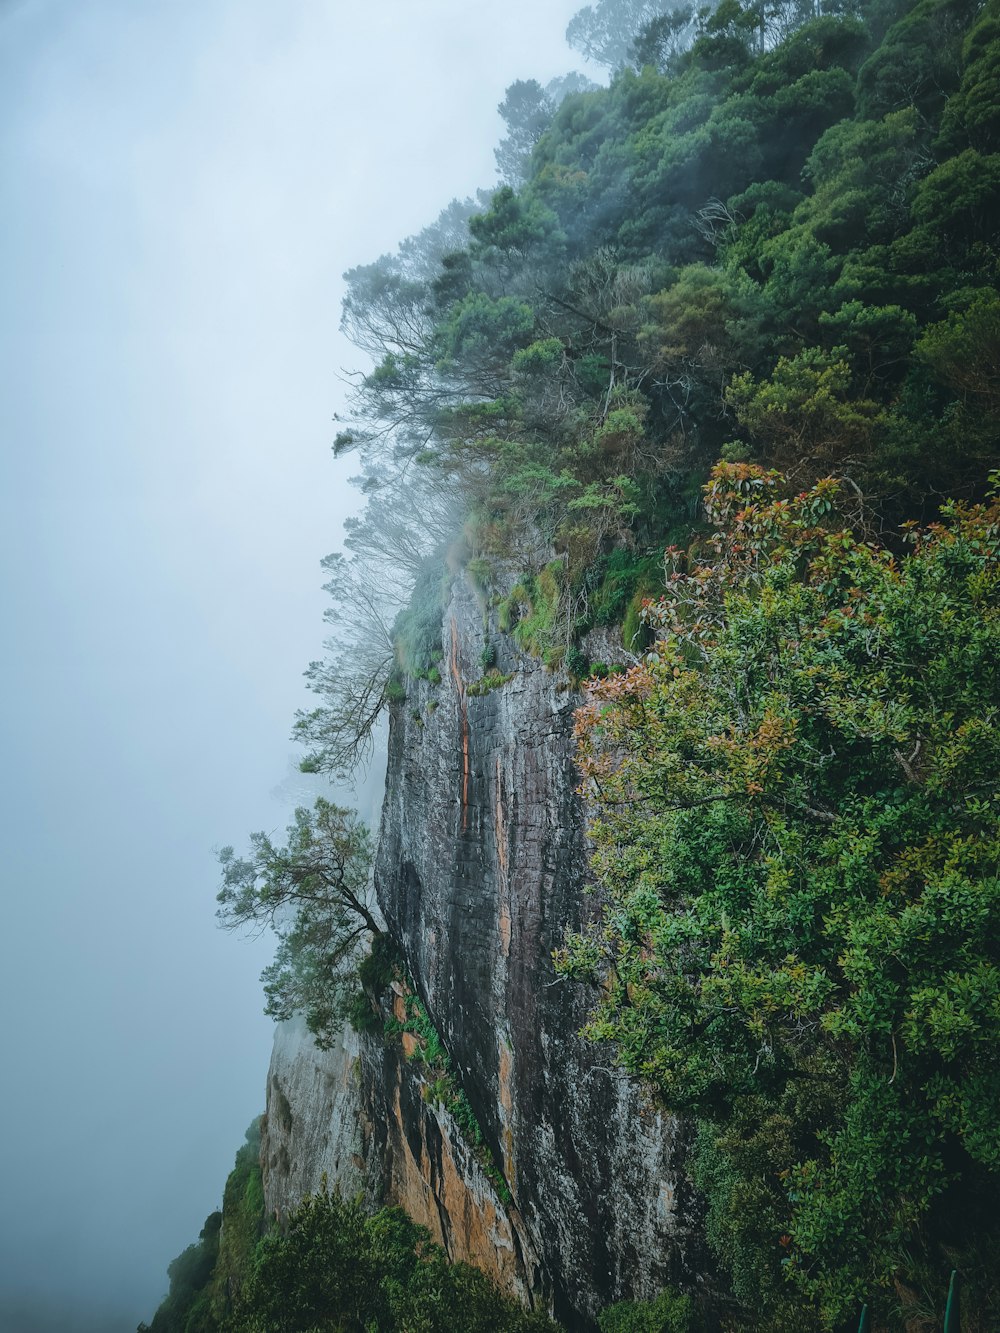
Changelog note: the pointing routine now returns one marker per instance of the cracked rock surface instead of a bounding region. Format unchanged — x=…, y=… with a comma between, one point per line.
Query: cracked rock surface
x=481, y=867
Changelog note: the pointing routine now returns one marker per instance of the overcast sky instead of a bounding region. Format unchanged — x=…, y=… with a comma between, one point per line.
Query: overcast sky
x=184, y=181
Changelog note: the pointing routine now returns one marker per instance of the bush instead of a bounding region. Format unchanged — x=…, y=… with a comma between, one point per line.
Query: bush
x=530, y=612
x=576, y=663
x=669, y=1313
x=626, y=581
x=417, y=631
x=493, y=680
x=334, y=1268
x=799, y=840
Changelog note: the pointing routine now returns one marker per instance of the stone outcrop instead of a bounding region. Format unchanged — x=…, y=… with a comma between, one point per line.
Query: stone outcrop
x=481, y=867
x=314, y=1122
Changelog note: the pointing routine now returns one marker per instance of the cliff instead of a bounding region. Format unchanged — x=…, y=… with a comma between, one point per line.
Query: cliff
x=481, y=866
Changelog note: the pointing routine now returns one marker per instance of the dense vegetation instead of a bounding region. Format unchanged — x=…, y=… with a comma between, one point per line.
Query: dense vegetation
x=334, y=1267
x=206, y=1278
x=706, y=368
x=774, y=241
x=331, y=1267
x=799, y=839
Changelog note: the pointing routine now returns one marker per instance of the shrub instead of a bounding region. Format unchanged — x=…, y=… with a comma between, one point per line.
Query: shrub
x=575, y=662
x=417, y=631
x=668, y=1313
x=335, y=1268
x=493, y=680
x=799, y=838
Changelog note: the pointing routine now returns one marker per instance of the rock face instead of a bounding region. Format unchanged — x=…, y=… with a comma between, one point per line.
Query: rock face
x=358, y=1116
x=425, y=1164
x=481, y=867
x=314, y=1123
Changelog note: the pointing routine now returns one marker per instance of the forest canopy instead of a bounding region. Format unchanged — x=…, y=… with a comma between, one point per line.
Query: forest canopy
x=771, y=239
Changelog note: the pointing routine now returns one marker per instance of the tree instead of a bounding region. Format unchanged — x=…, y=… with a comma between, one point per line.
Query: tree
x=334, y=1268
x=798, y=837
x=313, y=891
x=526, y=111
x=961, y=197
x=353, y=680
x=607, y=31
x=664, y=39
x=187, y=1307
x=804, y=416
x=973, y=113
x=918, y=63
x=963, y=352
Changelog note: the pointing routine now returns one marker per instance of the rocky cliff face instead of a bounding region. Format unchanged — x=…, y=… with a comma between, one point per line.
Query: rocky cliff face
x=314, y=1120
x=481, y=867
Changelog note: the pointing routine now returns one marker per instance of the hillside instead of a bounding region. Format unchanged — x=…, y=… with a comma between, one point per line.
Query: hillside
x=678, y=583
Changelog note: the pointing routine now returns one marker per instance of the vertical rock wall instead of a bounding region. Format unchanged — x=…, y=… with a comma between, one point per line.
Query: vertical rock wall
x=358, y=1117
x=481, y=867
x=314, y=1125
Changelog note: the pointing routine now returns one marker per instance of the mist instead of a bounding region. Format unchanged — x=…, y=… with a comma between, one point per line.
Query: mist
x=184, y=186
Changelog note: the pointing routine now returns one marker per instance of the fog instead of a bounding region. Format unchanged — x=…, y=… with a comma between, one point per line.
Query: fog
x=184, y=181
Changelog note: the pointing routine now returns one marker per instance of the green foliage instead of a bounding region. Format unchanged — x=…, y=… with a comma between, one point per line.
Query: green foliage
x=741, y=1168
x=527, y=111
x=484, y=331
x=206, y=1276
x=243, y=1224
x=418, y=1024
x=531, y=612
x=621, y=584
x=417, y=631
x=916, y=63
x=362, y=1016
x=515, y=229
x=606, y=31
x=488, y=656
x=378, y=968
x=774, y=237
x=799, y=837
x=636, y=633
x=540, y=358
x=390, y=572
x=769, y=210
x=334, y=1268
x=491, y=680
x=807, y=415
x=575, y=662
x=961, y=196
x=375, y=973
x=972, y=115
x=958, y=360
x=187, y=1306
x=480, y=574
x=668, y=1313
x=963, y=353
x=313, y=892
x=621, y=575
